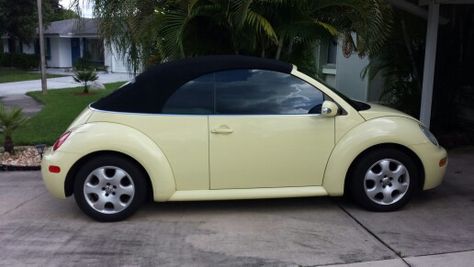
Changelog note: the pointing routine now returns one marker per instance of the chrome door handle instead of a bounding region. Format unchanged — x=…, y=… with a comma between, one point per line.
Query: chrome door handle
x=222, y=130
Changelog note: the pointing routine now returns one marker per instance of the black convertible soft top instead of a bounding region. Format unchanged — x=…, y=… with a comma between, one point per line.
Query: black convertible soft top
x=154, y=86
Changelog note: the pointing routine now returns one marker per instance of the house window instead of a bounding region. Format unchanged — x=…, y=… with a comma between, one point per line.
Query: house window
x=332, y=52
x=11, y=45
x=48, y=48
x=94, y=50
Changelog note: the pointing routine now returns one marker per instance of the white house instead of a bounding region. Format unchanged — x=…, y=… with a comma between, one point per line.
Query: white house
x=344, y=73
x=68, y=40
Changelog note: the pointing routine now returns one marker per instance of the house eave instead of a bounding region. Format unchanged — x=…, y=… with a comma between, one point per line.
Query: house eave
x=78, y=36
x=414, y=9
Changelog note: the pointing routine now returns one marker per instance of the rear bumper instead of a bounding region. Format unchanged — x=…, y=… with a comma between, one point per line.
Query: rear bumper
x=430, y=156
x=55, y=182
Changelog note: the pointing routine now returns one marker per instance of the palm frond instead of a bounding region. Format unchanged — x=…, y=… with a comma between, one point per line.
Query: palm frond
x=330, y=28
x=261, y=24
x=167, y=29
x=240, y=14
x=11, y=119
x=171, y=30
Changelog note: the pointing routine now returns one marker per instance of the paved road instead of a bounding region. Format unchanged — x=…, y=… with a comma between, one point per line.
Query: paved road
x=436, y=229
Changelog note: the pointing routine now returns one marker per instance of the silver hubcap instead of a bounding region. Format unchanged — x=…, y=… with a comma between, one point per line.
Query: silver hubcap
x=386, y=181
x=109, y=189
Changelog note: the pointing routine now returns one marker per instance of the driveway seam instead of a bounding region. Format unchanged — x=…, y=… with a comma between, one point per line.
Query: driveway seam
x=373, y=234
x=441, y=253
x=22, y=203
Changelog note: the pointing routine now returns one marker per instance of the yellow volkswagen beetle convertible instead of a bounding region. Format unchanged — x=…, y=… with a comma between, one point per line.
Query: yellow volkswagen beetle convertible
x=235, y=127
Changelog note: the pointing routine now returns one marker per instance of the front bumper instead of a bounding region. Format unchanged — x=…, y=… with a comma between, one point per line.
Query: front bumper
x=430, y=156
x=55, y=182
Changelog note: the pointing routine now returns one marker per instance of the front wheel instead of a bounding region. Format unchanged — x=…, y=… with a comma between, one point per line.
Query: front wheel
x=384, y=180
x=109, y=188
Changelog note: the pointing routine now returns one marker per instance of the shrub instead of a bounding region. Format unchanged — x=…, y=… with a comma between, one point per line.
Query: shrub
x=10, y=120
x=25, y=61
x=21, y=61
x=84, y=77
x=82, y=64
x=5, y=60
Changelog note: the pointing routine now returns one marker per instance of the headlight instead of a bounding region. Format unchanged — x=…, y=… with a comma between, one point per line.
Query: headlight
x=429, y=135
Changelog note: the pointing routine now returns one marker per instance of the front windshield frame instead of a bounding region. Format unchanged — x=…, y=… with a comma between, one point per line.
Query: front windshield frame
x=357, y=105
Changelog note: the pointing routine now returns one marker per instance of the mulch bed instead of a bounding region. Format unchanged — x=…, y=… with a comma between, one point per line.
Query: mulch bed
x=25, y=159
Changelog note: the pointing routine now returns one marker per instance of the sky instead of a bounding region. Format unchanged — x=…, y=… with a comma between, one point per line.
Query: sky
x=86, y=7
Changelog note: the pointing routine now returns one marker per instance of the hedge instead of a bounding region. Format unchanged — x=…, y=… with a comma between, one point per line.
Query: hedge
x=21, y=61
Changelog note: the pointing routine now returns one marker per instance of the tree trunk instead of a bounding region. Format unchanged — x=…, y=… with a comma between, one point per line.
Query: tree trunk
x=86, y=88
x=290, y=46
x=8, y=145
x=280, y=47
x=262, y=54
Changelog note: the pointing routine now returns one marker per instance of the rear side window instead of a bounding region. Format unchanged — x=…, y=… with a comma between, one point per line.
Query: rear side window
x=194, y=97
x=264, y=92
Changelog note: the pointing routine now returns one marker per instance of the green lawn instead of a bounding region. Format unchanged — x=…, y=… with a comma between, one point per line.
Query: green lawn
x=60, y=108
x=16, y=75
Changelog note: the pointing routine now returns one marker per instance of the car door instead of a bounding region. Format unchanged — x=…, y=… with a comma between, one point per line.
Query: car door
x=267, y=131
x=181, y=130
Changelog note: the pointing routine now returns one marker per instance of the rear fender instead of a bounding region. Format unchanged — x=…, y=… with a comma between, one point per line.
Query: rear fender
x=104, y=136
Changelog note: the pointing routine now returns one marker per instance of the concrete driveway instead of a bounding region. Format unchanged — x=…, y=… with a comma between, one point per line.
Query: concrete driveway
x=435, y=229
x=20, y=88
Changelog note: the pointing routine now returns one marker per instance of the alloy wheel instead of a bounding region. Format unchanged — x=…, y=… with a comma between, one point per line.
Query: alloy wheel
x=109, y=189
x=386, y=181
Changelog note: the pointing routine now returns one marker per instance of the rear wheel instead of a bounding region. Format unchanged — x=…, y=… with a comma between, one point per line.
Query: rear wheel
x=109, y=188
x=384, y=180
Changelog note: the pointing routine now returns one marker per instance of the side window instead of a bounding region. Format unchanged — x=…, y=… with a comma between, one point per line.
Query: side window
x=265, y=92
x=193, y=97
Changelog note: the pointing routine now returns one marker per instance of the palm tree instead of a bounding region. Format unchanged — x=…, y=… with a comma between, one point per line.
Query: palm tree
x=400, y=63
x=10, y=120
x=163, y=30
x=84, y=77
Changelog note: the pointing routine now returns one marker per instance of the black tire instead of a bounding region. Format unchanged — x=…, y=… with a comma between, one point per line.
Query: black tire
x=117, y=190
x=376, y=190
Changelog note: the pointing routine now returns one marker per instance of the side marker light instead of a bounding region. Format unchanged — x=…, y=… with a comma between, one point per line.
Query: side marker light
x=54, y=169
x=443, y=162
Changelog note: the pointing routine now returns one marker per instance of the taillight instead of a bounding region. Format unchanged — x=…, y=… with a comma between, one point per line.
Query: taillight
x=61, y=140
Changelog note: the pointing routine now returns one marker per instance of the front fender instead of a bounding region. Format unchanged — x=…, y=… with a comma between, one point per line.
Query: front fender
x=104, y=136
x=393, y=130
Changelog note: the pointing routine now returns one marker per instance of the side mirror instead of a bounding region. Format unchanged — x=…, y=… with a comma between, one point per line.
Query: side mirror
x=329, y=109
